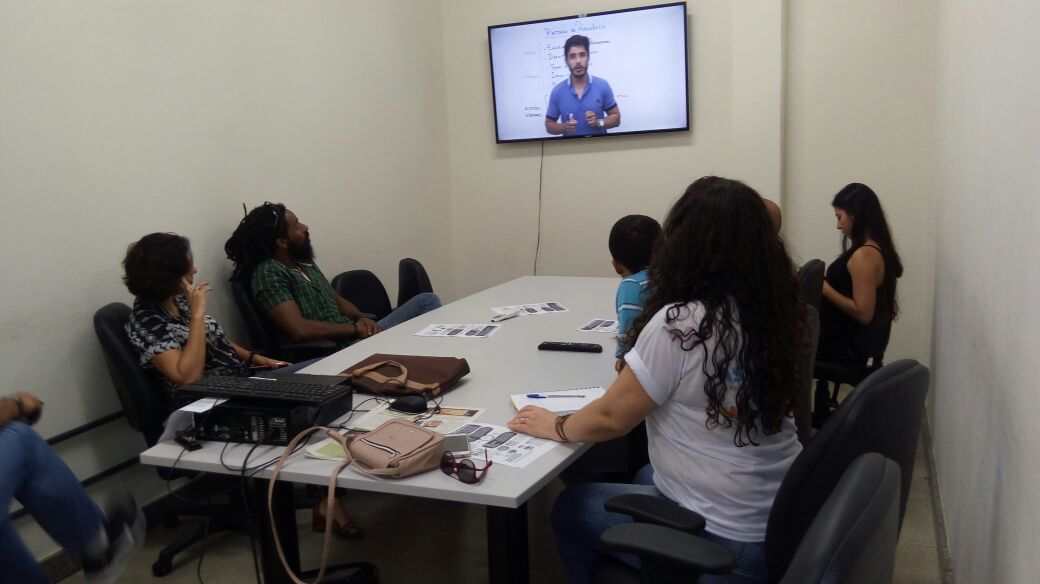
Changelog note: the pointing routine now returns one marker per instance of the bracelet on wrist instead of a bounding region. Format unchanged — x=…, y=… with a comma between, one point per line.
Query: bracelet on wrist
x=560, y=421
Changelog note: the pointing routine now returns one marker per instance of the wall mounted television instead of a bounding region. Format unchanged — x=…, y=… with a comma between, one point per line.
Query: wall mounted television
x=591, y=75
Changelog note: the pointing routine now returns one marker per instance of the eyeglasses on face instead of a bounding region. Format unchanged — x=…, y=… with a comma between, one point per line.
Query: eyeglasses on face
x=464, y=469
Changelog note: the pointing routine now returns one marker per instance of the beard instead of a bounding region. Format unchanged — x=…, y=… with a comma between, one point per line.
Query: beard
x=303, y=252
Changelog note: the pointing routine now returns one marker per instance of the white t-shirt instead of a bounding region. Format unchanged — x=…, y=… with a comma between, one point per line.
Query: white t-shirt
x=700, y=468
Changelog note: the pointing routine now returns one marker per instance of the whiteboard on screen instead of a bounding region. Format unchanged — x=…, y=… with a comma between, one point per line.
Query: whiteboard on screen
x=640, y=53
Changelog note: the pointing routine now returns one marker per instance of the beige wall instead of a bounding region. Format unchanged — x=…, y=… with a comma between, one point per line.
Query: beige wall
x=987, y=320
x=121, y=118
x=859, y=98
x=736, y=65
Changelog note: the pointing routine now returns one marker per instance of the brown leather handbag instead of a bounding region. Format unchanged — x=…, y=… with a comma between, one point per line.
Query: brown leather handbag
x=407, y=374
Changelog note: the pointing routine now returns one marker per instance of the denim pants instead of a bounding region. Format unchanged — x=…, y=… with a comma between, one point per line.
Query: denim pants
x=578, y=520
x=33, y=473
x=415, y=306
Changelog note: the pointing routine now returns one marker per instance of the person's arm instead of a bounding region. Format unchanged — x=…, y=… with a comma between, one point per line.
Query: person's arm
x=621, y=408
x=21, y=405
x=365, y=325
x=288, y=318
x=555, y=128
x=613, y=118
x=250, y=358
x=864, y=266
x=186, y=365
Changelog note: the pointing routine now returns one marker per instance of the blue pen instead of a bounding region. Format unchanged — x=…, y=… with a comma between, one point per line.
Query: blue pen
x=539, y=396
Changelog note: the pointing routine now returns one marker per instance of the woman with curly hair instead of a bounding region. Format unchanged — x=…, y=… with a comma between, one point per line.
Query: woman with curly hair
x=713, y=369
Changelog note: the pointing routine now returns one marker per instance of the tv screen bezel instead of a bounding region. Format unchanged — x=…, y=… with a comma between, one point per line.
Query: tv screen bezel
x=686, y=72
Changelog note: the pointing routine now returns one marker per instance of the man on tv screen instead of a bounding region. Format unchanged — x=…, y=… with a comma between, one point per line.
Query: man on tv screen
x=581, y=105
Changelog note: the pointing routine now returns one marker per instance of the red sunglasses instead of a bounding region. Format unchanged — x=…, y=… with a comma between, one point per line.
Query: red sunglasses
x=464, y=469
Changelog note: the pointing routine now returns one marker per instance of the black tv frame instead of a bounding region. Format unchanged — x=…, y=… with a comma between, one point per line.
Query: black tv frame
x=686, y=57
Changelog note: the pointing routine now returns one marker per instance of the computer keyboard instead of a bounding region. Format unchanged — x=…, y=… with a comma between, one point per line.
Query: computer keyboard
x=262, y=389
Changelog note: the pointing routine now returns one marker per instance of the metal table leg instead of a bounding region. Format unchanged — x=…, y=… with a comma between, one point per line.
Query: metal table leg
x=507, y=545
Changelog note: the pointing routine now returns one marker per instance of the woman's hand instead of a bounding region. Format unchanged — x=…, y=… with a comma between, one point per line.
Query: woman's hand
x=535, y=421
x=269, y=362
x=196, y=294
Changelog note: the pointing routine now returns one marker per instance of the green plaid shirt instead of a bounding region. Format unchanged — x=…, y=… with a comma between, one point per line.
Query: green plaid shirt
x=273, y=283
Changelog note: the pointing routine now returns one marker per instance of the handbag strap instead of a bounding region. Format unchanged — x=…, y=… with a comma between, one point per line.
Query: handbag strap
x=369, y=372
x=329, y=504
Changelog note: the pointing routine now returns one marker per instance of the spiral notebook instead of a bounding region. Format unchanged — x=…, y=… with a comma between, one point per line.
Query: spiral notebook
x=563, y=401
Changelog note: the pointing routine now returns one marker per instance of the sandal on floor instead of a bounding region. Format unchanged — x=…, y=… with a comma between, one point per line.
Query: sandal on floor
x=347, y=529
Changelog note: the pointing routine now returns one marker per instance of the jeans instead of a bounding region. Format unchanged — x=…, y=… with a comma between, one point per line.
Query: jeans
x=578, y=520
x=415, y=306
x=33, y=473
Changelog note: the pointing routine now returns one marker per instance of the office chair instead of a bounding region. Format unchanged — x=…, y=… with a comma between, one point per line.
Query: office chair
x=364, y=290
x=882, y=415
x=851, y=540
x=263, y=336
x=803, y=410
x=145, y=404
x=810, y=277
x=412, y=280
x=867, y=355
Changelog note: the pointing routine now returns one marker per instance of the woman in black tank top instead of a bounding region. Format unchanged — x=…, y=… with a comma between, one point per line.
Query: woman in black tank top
x=860, y=286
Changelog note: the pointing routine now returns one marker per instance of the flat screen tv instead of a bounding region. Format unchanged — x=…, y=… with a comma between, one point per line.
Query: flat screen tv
x=591, y=75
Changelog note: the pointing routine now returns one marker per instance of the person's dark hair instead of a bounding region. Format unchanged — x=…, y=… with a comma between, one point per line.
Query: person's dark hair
x=719, y=248
x=632, y=241
x=154, y=266
x=576, y=41
x=868, y=222
x=254, y=239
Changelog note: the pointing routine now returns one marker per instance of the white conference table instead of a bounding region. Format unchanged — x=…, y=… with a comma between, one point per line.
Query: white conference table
x=506, y=363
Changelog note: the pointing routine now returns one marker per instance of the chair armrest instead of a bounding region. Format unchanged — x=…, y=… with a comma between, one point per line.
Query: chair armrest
x=657, y=511
x=307, y=350
x=663, y=550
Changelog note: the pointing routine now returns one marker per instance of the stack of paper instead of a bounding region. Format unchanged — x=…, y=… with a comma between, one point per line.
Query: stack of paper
x=562, y=401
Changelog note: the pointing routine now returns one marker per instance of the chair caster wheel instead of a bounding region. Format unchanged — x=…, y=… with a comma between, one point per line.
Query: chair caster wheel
x=161, y=568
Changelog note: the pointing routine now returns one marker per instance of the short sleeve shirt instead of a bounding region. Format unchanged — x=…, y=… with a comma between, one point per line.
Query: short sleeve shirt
x=152, y=330
x=629, y=301
x=564, y=102
x=273, y=283
x=694, y=465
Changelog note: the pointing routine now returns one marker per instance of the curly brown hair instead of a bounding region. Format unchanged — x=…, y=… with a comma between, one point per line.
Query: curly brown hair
x=153, y=267
x=719, y=248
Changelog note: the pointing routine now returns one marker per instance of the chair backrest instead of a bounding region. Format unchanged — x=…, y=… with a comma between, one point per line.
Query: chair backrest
x=412, y=280
x=810, y=277
x=142, y=396
x=364, y=290
x=882, y=414
x=853, y=538
x=259, y=327
x=803, y=412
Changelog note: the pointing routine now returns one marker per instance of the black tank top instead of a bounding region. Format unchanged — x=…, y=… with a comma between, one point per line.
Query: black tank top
x=837, y=329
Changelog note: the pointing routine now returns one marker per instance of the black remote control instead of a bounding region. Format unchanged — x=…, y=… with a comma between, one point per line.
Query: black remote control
x=576, y=347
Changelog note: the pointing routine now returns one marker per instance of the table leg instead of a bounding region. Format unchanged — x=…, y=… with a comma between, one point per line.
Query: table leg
x=285, y=517
x=507, y=545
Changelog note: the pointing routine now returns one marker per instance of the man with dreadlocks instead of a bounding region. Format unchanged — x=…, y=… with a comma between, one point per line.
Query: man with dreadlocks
x=272, y=248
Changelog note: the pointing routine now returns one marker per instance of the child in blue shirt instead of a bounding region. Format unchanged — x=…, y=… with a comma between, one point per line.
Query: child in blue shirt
x=631, y=243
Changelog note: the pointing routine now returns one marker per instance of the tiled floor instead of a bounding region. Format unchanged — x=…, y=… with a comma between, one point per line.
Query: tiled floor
x=449, y=543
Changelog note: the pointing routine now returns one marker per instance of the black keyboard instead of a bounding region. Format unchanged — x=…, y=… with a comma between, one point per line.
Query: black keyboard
x=260, y=389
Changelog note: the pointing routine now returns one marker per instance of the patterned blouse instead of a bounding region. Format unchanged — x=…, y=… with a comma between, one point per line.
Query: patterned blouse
x=152, y=330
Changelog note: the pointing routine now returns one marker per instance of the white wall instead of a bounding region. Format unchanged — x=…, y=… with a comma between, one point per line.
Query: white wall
x=987, y=320
x=121, y=118
x=736, y=65
x=859, y=98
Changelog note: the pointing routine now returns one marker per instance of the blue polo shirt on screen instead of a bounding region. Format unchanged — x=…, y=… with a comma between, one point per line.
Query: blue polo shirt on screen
x=563, y=101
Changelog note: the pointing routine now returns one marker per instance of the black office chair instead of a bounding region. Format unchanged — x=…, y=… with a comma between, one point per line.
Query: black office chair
x=803, y=410
x=412, y=280
x=852, y=539
x=364, y=290
x=145, y=404
x=867, y=355
x=810, y=277
x=263, y=336
x=882, y=415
